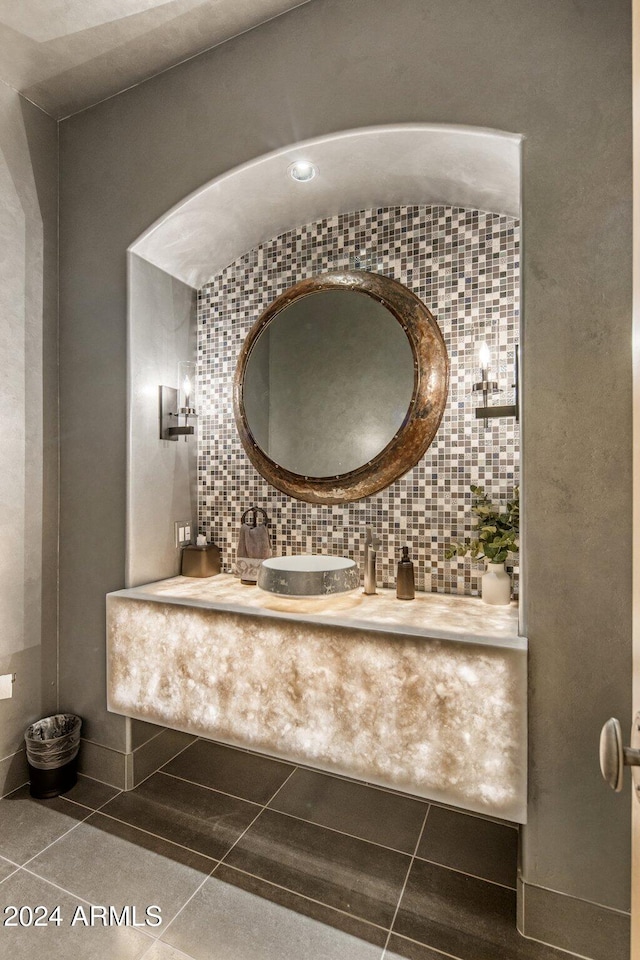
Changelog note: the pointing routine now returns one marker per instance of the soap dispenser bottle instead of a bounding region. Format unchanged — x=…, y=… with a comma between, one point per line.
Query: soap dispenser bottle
x=405, y=583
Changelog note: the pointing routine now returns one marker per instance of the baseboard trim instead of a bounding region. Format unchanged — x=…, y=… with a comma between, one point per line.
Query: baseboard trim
x=13, y=772
x=150, y=756
x=579, y=927
x=103, y=763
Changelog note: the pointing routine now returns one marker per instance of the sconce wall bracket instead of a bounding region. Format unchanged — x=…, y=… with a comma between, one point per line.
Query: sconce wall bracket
x=508, y=410
x=170, y=428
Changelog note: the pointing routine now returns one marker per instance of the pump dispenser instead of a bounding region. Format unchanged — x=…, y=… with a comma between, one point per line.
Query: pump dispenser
x=405, y=583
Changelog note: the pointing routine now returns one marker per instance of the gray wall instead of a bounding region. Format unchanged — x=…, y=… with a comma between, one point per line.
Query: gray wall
x=557, y=71
x=28, y=400
x=162, y=474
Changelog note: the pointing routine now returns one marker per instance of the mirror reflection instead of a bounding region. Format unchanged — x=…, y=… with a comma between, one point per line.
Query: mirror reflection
x=340, y=386
x=328, y=383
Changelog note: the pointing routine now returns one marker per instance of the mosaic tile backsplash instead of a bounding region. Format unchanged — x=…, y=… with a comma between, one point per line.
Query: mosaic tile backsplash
x=464, y=265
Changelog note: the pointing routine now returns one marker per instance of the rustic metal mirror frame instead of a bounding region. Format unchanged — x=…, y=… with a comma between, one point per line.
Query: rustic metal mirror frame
x=408, y=445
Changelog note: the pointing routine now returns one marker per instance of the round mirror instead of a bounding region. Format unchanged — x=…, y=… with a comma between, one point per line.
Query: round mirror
x=340, y=386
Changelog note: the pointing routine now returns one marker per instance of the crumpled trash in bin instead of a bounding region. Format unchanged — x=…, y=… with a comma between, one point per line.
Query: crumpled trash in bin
x=54, y=741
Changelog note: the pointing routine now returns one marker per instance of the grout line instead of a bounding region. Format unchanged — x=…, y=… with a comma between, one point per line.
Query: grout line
x=474, y=876
x=404, y=885
x=304, y=896
x=65, y=834
x=5, y=796
x=228, y=852
x=13, y=872
x=441, y=953
x=261, y=811
x=58, y=886
x=592, y=903
x=342, y=833
x=157, y=836
x=403, y=795
x=314, y=823
x=247, y=750
x=159, y=769
x=180, y=953
x=87, y=776
x=76, y=896
x=193, y=783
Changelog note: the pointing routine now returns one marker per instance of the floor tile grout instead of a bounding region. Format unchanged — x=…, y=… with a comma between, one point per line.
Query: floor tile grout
x=259, y=814
x=73, y=895
x=365, y=784
x=12, y=874
x=157, y=836
x=174, y=918
x=187, y=956
x=260, y=808
x=342, y=833
x=159, y=769
x=66, y=833
x=285, y=813
x=404, y=885
x=87, y=776
x=304, y=896
x=419, y=943
x=194, y=783
x=465, y=873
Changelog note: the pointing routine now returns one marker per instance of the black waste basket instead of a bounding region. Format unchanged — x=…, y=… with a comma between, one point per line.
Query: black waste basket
x=52, y=754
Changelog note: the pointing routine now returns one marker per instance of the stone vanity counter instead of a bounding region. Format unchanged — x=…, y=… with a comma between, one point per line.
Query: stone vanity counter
x=425, y=696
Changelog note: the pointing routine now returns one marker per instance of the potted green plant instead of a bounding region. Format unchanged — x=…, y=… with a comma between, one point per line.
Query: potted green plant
x=497, y=535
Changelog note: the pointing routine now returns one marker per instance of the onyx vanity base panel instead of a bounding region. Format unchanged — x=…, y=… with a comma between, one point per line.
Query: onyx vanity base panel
x=427, y=697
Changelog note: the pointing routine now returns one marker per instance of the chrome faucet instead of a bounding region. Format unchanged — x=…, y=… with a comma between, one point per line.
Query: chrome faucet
x=371, y=546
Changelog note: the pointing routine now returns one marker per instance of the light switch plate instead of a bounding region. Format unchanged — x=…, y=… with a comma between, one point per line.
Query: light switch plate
x=182, y=530
x=6, y=686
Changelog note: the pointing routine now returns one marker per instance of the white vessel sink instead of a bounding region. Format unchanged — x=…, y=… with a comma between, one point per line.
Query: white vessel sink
x=308, y=575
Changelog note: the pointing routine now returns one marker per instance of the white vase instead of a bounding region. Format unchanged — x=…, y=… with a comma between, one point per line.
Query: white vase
x=496, y=584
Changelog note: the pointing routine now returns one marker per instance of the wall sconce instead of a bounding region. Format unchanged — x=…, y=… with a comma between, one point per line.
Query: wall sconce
x=486, y=386
x=179, y=403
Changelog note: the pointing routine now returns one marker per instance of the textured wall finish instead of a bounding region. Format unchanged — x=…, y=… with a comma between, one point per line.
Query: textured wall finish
x=559, y=73
x=28, y=400
x=440, y=719
x=464, y=265
x=161, y=474
x=67, y=56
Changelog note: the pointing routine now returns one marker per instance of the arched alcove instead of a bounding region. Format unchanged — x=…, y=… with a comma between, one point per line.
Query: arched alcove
x=394, y=165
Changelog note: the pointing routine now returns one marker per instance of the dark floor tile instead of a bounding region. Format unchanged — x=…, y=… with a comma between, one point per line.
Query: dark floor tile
x=354, y=808
x=28, y=825
x=230, y=923
x=232, y=771
x=308, y=908
x=108, y=862
x=480, y=847
x=63, y=942
x=185, y=813
x=464, y=917
x=91, y=793
x=351, y=875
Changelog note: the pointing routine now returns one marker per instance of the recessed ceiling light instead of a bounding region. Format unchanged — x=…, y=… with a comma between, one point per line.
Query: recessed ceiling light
x=302, y=171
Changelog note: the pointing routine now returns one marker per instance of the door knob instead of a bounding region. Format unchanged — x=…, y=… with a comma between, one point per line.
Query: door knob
x=614, y=757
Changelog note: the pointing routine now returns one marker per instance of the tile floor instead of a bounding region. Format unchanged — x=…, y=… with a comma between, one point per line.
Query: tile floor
x=249, y=858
